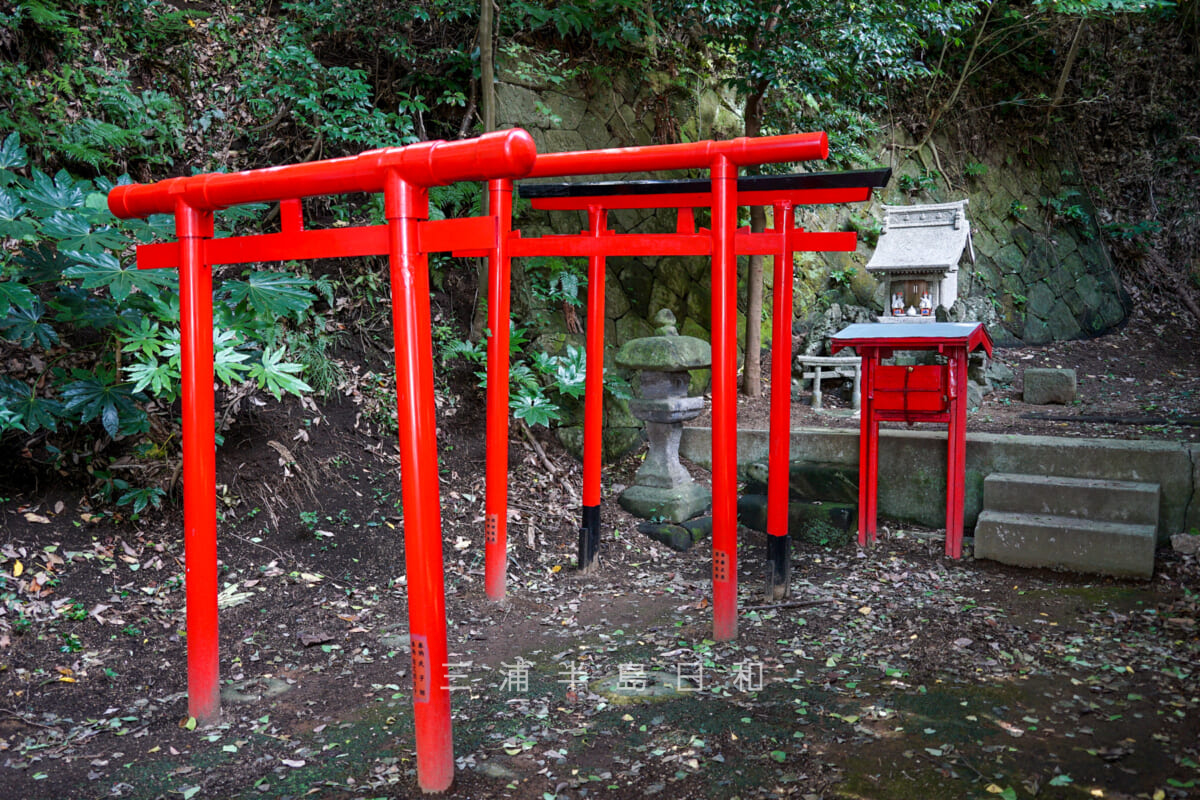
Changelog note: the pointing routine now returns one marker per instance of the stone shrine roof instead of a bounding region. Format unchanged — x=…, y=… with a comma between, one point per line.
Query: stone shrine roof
x=929, y=238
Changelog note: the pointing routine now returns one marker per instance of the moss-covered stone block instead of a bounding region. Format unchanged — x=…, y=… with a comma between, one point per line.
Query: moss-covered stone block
x=638, y=280
x=662, y=297
x=594, y=133
x=631, y=327
x=1010, y=259
x=1062, y=323
x=616, y=304
x=1041, y=301
x=1036, y=331
x=568, y=108
x=863, y=285
x=673, y=273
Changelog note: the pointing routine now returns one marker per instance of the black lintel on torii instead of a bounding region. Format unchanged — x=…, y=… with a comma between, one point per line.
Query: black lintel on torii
x=846, y=179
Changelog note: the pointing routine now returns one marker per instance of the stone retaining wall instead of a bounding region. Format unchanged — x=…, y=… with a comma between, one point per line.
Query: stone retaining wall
x=912, y=467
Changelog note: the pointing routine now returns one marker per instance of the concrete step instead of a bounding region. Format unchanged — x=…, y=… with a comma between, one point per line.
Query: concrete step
x=1100, y=500
x=1080, y=545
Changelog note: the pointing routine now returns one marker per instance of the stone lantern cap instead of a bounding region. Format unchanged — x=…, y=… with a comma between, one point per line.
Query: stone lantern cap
x=666, y=351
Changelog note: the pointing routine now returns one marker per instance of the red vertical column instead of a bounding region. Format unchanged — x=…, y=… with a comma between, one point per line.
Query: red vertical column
x=868, y=449
x=404, y=205
x=496, y=499
x=779, y=562
x=192, y=227
x=956, y=463
x=593, y=400
x=724, y=379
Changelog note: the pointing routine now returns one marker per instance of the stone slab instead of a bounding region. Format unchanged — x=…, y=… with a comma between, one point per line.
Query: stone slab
x=1131, y=502
x=1046, y=386
x=676, y=537
x=672, y=505
x=1033, y=540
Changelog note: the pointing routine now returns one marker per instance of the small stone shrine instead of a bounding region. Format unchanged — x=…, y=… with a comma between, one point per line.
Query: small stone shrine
x=663, y=488
x=917, y=259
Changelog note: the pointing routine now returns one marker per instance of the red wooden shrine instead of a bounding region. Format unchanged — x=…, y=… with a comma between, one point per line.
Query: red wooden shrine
x=916, y=393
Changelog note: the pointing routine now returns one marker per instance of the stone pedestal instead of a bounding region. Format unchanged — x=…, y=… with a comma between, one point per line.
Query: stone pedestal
x=663, y=489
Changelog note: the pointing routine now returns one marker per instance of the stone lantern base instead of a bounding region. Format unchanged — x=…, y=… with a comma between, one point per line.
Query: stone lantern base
x=672, y=505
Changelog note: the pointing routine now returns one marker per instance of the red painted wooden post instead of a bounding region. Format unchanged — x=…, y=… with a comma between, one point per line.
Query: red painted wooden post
x=956, y=465
x=779, y=562
x=404, y=206
x=193, y=227
x=867, y=452
x=496, y=490
x=724, y=388
x=593, y=400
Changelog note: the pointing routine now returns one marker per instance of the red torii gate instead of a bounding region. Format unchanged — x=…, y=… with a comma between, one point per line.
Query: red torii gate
x=783, y=193
x=403, y=176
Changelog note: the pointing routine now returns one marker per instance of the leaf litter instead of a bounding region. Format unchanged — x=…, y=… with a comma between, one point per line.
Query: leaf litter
x=893, y=663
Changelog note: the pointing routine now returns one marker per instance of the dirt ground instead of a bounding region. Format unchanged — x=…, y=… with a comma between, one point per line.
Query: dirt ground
x=891, y=673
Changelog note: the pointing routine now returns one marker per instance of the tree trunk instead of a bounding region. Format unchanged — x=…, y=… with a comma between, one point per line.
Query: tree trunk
x=1072, y=54
x=754, y=113
x=487, y=103
x=752, y=372
x=487, y=69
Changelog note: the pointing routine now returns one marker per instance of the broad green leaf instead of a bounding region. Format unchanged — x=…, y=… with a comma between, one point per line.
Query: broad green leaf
x=34, y=412
x=142, y=497
x=42, y=263
x=277, y=294
x=142, y=337
x=617, y=386
x=571, y=373
x=70, y=228
x=12, y=153
x=11, y=206
x=534, y=408
x=113, y=403
x=278, y=376
x=227, y=359
x=156, y=376
x=77, y=306
x=24, y=325
x=228, y=366
x=61, y=191
x=543, y=362
x=521, y=377
x=1061, y=780
x=14, y=295
x=103, y=271
x=570, y=284
x=9, y=418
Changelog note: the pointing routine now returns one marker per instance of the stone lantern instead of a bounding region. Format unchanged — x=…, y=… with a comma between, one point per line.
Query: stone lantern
x=663, y=488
